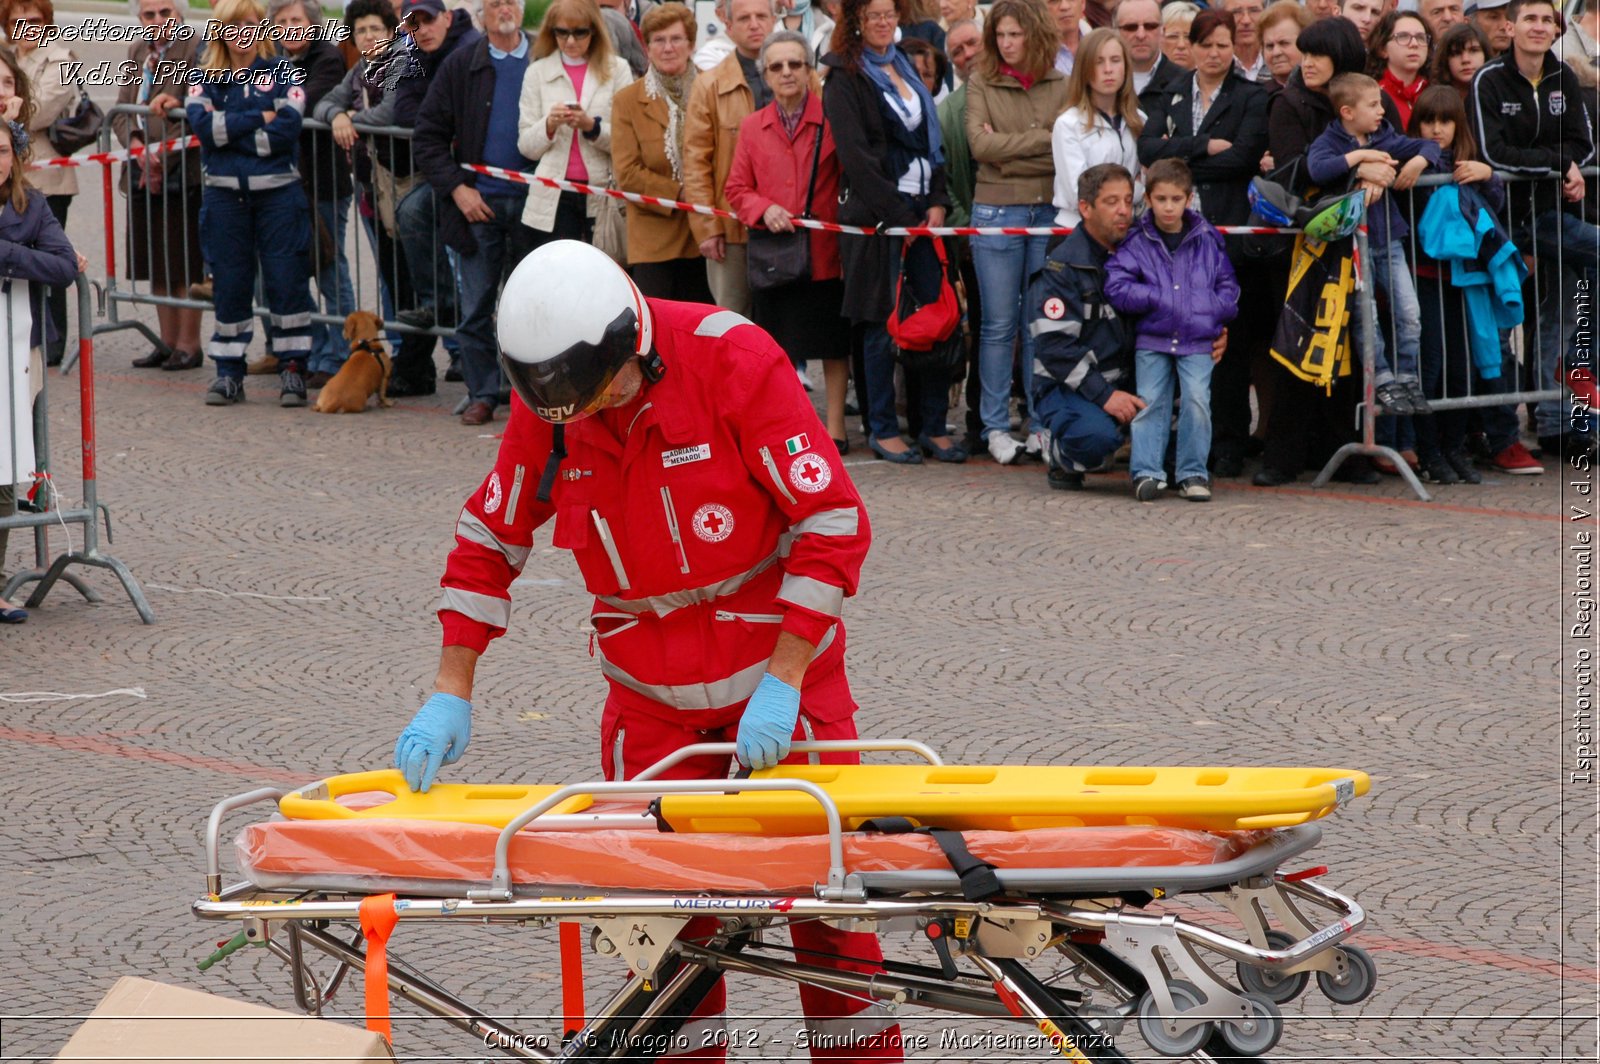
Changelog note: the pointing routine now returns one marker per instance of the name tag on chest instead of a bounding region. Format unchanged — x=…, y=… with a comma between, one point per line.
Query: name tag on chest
x=685, y=455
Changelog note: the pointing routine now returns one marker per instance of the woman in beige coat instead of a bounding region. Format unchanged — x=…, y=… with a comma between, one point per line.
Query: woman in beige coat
x=54, y=97
x=566, y=116
x=647, y=153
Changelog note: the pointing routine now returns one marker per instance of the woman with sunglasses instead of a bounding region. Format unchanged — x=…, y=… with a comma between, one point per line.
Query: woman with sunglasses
x=566, y=117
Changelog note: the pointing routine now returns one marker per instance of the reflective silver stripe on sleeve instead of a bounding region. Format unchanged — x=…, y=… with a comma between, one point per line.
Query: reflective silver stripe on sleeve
x=661, y=605
x=720, y=323
x=472, y=529
x=811, y=594
x=845, y=521
x=263, y=145
x=487, y=609
x=1111, y=376
x=219, y=128
x=1041, y=326
x=717, y=694
x=1081, y=370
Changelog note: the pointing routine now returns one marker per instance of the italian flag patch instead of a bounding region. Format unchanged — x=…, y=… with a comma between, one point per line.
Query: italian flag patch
x=796, y=444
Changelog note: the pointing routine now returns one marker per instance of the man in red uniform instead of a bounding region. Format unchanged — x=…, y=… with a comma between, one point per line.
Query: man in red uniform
x=707, y=509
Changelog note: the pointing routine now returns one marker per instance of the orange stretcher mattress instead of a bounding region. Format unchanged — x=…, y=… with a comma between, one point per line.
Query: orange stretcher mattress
x=307, y=854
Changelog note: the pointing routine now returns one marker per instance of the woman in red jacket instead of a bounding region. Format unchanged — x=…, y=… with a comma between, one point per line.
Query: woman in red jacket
x=771, y=182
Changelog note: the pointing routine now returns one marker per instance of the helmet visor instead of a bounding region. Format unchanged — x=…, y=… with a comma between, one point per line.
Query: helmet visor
x=572, y=385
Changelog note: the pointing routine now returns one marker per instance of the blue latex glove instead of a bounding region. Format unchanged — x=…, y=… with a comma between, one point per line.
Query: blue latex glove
x=437, y=735
x=767, y=727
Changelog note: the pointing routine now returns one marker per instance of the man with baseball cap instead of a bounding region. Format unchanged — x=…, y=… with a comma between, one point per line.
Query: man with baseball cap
x=1490, y=17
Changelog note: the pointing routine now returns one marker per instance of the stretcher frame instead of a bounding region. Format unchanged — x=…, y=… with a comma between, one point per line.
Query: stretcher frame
x=1152, y=968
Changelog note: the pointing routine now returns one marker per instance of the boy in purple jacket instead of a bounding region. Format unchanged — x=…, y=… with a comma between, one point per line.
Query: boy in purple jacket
x=1173, y=275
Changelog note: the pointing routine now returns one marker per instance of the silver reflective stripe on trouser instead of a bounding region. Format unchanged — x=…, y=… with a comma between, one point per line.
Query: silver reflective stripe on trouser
x=811, y=737
x=470, y=528
x=718, y=694
x=492, y=611
x=604, y=531
x=661, y=605
x=777, y=478
x=811, y=594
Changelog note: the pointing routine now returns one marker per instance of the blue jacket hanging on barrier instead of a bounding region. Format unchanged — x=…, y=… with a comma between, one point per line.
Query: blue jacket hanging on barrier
x=1458, y=228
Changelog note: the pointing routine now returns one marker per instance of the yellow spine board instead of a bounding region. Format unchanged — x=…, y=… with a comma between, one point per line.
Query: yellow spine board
x=494, y=805
x=1020, y=797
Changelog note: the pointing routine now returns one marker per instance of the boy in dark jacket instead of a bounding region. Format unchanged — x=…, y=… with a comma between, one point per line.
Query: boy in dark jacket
x=1360, y=136
x=1173, y=275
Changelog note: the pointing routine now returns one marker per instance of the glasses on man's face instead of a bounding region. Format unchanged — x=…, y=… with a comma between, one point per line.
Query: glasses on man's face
x=1409, y=38
x=1139, y=27
x=502, y=3
x=783, y=66
x=677, y=41
x=580, y=33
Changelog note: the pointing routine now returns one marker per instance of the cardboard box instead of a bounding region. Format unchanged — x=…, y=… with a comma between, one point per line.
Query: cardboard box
x=141, y=1019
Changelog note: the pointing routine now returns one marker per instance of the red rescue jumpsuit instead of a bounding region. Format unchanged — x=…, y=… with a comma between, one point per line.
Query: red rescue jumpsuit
x=707, y=516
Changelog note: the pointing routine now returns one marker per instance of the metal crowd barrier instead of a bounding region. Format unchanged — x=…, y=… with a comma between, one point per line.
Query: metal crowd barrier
x=377, y=273
x=1531, y=360
x=47, y=511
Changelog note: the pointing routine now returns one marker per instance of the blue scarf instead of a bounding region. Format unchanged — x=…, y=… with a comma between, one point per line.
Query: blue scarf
x=876, y=68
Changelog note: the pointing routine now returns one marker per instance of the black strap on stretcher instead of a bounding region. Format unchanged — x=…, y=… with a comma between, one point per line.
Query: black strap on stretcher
x=978, y=879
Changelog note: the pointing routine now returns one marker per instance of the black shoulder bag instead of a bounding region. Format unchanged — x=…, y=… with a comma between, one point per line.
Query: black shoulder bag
x=777, y=259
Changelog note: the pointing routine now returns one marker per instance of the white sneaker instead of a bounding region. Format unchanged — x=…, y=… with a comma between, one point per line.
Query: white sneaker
x=1033, y=447
x=805, y=381
x=1003, y=448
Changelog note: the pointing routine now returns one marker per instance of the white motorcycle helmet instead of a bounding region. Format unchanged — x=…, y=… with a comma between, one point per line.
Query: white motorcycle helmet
x=569, y=320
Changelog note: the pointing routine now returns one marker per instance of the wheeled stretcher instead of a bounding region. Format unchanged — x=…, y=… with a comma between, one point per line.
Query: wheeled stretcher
x=1085, y=901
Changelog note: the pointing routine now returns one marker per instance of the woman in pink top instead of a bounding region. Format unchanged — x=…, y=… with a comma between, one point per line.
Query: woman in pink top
x=565, y=120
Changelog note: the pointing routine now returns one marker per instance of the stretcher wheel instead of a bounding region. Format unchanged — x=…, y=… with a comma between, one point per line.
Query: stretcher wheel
x=1273, y=985
x=1259, y=1033
x=1359, y=980
x=1184, y=998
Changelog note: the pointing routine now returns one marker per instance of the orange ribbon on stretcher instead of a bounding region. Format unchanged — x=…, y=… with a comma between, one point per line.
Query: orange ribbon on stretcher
x=378, y=920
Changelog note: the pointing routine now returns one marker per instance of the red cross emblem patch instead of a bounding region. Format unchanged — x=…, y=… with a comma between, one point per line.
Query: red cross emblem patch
x=492, y=494
x=713, y=522
x=1055, y=309
x=810, y=473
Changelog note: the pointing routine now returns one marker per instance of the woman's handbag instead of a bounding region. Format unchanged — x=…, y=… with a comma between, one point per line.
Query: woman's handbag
x=926, y=336
x=777, y=259
x=76, y=131
x=611, y=228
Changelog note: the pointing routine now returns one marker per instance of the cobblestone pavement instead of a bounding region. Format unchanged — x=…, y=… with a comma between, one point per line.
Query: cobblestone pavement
x=292, y=560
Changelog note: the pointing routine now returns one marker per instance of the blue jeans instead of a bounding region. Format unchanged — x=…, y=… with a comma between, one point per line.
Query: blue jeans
x=416, y=218
x=1081, y=432
x=1392, y=277
x=1004, y=264
x=267, y=229
x=328, y=350
x=1156, y=373
x=1563, y=238
x=878, y=356
x=502, y=243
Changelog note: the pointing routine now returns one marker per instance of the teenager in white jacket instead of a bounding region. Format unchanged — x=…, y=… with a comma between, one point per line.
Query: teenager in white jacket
x=1101, y=123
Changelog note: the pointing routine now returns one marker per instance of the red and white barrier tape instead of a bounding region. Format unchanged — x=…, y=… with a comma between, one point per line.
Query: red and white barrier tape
x=519, y=177
x=121, y=155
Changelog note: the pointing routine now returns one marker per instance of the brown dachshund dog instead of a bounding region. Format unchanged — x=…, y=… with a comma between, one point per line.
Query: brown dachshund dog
x=364, y=374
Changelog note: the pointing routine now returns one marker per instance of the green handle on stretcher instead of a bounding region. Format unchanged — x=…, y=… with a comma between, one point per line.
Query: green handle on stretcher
x=233, y=945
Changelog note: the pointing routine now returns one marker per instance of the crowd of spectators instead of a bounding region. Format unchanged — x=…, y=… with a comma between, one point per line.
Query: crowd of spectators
x=877, y=113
